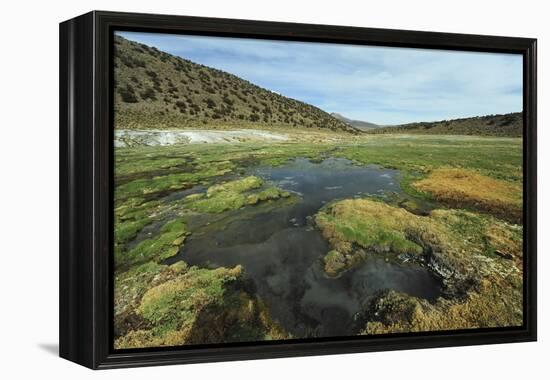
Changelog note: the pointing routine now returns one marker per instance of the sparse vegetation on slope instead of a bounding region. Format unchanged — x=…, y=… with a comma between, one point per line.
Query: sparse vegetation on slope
x=156, y=90
x=359, y=124
x=507, y=125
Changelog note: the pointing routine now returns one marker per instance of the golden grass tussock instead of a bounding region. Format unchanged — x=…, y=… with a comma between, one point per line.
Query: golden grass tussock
x=465, y=188
x=507, y=243
x=494, y=304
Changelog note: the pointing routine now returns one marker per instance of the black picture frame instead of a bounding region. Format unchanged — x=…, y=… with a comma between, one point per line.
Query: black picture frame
x=86, y=187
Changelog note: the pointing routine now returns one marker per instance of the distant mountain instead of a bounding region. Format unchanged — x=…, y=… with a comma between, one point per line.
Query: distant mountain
x=363, y=125
x=506, y=125
x=155, y=90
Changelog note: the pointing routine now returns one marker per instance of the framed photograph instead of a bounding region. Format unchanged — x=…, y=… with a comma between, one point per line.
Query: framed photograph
x=235, y=189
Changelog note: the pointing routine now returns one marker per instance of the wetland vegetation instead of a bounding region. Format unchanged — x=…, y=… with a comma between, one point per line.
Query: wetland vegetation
x=241, y=215
x=239, y=242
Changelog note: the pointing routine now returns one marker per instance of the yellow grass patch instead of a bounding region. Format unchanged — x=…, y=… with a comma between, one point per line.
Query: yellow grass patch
x=495, y=304
x=464, y=188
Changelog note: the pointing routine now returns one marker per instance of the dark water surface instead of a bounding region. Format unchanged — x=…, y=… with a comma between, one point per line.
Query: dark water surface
x=281, y=251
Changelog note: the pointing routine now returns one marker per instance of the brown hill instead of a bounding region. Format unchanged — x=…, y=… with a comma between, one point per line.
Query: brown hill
x=154, y=89
x=507, y=125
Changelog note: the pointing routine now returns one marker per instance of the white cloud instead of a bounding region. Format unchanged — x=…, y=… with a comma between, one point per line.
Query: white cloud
x=378, y=84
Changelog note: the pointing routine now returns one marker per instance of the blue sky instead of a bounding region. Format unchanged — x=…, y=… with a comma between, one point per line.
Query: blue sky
x=376, y=84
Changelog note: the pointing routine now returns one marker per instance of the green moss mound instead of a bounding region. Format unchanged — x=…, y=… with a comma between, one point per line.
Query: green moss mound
x=477, y=257
x=234, y=195
x=198, y=306
x=166, y=244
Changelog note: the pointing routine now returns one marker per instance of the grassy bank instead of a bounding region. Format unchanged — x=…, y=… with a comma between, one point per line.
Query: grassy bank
x=471, y=238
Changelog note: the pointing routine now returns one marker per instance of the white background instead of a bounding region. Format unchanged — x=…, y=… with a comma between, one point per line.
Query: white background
x=29, y=187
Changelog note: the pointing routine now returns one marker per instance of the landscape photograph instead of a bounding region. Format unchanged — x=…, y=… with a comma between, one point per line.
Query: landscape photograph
x=281, y=190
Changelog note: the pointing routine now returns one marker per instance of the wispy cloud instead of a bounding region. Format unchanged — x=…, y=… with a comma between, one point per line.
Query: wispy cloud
x=376, y=84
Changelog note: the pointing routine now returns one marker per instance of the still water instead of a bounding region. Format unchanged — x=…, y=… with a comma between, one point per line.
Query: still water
x=281, y=251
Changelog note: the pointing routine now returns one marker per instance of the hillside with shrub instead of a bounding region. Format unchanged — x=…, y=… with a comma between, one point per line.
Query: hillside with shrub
x=157, y=90
x=507, y=125
x=359, y=124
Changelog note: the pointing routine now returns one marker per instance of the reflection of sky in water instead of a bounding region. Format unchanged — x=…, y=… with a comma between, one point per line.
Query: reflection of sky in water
x=281, y=252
